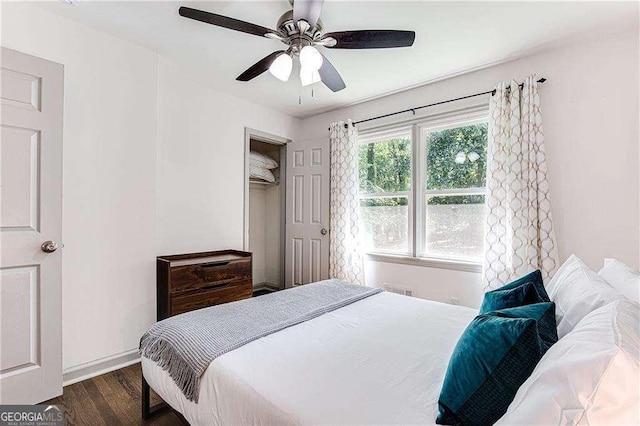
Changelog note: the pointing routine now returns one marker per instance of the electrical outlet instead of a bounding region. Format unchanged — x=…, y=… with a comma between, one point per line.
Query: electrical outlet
x=454, y=301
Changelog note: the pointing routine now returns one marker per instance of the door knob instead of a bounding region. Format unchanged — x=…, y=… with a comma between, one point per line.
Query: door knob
x=323, y=231
x=49, y=246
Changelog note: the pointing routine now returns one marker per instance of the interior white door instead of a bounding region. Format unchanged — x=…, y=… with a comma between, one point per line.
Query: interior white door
x=307, y=213
x=31, y=214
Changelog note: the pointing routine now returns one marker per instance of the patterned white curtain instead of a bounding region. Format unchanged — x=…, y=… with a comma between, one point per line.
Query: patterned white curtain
x=519, y=235
x=345, y=253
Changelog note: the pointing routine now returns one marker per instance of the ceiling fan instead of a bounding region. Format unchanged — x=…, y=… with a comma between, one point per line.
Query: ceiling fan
x=301, y=30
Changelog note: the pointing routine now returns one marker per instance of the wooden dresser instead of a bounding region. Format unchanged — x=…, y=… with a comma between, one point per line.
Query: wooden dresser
x=186, y=282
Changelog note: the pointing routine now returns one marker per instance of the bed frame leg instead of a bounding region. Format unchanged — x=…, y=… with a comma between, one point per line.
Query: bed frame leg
x=146, y=399
x=147, y=410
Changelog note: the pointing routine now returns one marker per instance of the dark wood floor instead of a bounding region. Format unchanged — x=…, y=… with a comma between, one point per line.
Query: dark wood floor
x=110, y=399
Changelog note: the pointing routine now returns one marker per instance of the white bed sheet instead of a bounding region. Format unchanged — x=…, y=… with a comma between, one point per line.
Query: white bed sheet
x=381, y=360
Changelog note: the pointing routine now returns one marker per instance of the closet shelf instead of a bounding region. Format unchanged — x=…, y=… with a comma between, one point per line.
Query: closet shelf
x=264, y=182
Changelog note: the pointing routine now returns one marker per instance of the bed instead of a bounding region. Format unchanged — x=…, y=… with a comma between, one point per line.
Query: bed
x=336, y=353
x=380, y=360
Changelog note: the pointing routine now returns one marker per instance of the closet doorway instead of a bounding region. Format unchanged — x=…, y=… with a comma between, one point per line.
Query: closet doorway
x=265, y=201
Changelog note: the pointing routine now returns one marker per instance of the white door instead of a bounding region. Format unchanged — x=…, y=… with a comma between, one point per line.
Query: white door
x=307, y=215
x=30, y=214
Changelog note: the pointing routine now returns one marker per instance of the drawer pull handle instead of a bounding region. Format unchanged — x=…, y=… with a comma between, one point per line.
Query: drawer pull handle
x=212, y=265
x=212, y=286
x=212, y=271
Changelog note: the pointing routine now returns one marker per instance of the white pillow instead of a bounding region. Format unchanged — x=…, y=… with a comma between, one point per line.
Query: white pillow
x=622, y=278
x=589, y=377
x=576, y=291
x=257, y=159
x=261, y=173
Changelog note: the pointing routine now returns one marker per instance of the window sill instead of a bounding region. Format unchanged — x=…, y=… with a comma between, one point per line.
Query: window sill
x=456, y=265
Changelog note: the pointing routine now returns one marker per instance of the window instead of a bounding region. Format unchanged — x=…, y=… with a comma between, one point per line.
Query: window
x=385, y=192
x=425, y=198
x=454, y=188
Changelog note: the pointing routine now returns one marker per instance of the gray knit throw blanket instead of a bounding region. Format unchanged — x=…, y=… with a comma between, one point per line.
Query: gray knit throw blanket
x=185, y=345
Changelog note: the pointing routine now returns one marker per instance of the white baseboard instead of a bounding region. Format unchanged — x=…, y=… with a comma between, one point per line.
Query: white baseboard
x=266, y=285
x=99, y=366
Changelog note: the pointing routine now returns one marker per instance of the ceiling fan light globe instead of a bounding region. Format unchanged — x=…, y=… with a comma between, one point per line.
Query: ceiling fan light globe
x=309, y=76
x=281, y=67
x=310, y=58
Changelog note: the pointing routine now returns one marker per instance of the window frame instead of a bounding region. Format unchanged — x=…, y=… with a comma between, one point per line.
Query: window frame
x=418, y=131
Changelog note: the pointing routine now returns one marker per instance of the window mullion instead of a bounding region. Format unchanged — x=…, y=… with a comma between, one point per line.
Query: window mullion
x=366, y=195
x=416, y=188
x=455, y=191
x=421, y=225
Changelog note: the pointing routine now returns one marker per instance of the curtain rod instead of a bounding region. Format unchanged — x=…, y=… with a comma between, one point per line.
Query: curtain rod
x=413, y=110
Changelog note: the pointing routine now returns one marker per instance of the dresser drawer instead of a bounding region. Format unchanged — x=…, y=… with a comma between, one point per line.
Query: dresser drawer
x=205, y=297
x=191, y=277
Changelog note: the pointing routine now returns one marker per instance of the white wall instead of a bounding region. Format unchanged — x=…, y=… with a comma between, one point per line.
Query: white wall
x=109, y=175
x=257, y=232
x=264, y=233
x=590, y=109
x=201, y=162
x=273, y=211
x=438, y=284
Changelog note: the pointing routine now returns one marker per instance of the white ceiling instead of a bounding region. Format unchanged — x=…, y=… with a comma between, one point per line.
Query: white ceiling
x=450, y=37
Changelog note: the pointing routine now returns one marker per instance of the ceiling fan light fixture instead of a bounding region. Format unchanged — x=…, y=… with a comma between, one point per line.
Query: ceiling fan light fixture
x=281, y=67
x=310, y=58
x=309, y=76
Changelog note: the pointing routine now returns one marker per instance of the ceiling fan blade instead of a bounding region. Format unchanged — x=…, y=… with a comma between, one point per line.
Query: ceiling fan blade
x=259, y=67
x=330, y=76
x=308, y=10
x=370, y=39
x=224, y=21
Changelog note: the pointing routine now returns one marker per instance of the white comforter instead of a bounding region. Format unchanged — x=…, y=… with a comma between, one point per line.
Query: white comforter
x=381, y=360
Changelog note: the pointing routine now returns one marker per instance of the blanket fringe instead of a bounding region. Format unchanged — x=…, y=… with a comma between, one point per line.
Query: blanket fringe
x=161, y=352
